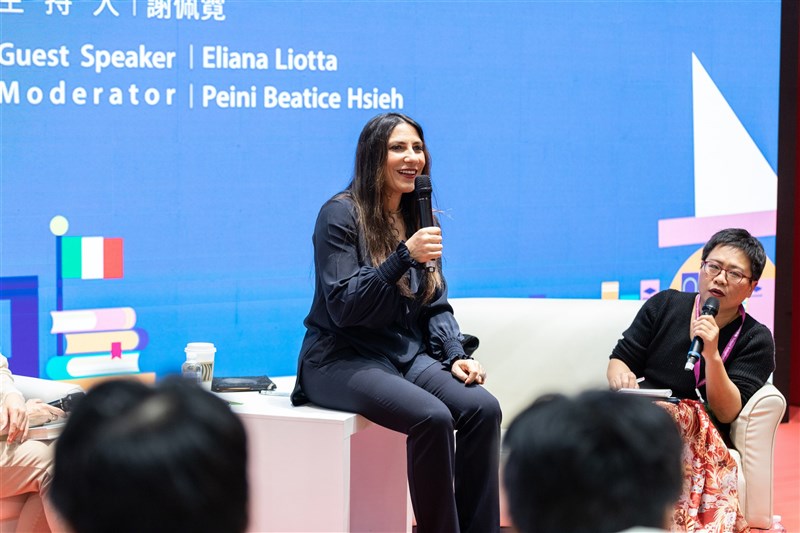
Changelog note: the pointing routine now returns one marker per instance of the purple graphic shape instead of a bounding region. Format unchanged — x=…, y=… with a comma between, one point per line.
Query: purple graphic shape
x=144, y=339
x=23, y=294
x=690, y=282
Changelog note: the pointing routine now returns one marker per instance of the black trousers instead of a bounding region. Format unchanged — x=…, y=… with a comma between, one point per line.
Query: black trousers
x=453, y=481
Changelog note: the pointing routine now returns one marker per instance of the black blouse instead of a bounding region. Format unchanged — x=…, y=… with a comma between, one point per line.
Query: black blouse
x=358, y=309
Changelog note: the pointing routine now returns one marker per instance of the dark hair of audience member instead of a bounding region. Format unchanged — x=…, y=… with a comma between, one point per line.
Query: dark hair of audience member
x=600, y=462
x=134, y=458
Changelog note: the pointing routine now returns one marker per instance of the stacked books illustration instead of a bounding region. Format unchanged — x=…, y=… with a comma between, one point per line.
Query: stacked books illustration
x=91, y=342
x=98, y=342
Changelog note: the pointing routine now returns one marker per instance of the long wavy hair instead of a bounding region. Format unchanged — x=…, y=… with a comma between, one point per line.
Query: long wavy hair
x=367, y=190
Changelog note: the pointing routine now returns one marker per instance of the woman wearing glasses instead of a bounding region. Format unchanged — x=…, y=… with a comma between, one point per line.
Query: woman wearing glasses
x=738, y=356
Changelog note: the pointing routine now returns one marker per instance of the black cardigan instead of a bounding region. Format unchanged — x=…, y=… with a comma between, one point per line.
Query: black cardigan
x=656, y=343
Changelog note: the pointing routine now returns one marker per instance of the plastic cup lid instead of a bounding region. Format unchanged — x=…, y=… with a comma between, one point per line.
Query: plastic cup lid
x=200, y=347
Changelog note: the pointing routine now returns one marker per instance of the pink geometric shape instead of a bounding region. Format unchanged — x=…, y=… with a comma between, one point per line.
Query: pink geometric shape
x=115, y=318
x=697, y=230
x=648, y=287
x=116, y=350
x=761, y=305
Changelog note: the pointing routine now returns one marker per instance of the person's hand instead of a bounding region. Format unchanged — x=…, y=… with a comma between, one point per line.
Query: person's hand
x=705, y=327
x=469, y=371
x=425, y=245
x=40, y=412
x=623, y=380
x=14, y=417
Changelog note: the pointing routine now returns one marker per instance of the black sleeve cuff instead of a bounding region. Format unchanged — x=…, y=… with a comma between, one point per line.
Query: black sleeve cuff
x=397, y=264
x=453, y=350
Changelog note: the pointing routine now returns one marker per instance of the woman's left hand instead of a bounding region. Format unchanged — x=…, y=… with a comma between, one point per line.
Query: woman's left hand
x=469, y=371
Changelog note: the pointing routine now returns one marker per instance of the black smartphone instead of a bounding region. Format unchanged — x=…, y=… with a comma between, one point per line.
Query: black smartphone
x=68, y=402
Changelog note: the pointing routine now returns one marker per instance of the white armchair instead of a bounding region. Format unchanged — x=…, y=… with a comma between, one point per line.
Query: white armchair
x=753, y=435
x=46, y=390
x=530, y=347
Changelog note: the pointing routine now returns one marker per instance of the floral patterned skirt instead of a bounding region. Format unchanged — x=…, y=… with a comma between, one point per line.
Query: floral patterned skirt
x=709, y=502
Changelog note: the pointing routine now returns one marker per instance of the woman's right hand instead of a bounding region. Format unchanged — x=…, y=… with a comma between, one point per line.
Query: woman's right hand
x=14, y=417
x=620, y=376
x=425, y=245
x=625, y=380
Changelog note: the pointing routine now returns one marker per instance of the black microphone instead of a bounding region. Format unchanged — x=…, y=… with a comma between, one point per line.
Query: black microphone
x=711, y=307
x=422, y=190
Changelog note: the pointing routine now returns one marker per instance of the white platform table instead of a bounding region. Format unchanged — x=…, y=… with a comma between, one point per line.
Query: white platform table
x=316, y=470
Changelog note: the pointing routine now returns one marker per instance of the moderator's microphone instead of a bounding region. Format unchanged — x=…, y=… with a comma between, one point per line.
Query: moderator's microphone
x=422, y=190
x=711, y=307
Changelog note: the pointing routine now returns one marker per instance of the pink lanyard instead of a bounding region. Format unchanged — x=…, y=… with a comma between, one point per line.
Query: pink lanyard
x=728, y=347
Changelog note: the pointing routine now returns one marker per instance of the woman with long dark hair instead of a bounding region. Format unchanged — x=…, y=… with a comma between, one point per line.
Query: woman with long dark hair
x=382, y=341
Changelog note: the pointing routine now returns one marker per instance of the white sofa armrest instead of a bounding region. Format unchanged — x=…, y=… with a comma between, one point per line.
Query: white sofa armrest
x=44, y=389
x=530, y=346
x=753, y=435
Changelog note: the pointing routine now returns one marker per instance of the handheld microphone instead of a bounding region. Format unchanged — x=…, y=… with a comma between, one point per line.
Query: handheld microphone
x=711, y=307
x=422, y=190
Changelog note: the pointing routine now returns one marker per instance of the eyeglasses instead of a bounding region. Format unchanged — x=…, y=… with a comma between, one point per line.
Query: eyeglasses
x=713, y=270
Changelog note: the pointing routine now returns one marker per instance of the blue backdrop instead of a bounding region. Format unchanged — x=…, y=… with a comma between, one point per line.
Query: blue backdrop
x=560, y=134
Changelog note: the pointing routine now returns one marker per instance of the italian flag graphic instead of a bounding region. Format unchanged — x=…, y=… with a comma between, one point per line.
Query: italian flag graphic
x=91, y=258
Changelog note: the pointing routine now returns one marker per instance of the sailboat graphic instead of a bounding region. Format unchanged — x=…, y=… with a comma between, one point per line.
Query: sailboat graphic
x=734, y=186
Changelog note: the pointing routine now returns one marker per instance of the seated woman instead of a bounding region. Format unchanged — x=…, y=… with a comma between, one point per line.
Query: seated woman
x=382, y=340
x=738, y=356
x=26, y=466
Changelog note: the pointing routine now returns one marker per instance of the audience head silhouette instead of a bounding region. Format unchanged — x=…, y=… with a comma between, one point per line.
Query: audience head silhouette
x=136, y=458
x=600, y=462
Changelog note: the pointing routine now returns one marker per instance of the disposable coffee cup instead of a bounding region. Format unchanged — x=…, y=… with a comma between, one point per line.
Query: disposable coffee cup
x=203, y=353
